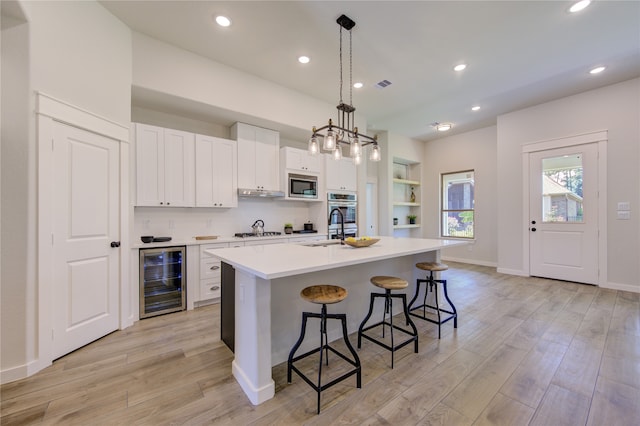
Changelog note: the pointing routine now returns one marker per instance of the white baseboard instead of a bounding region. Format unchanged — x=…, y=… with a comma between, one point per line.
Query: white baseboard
x=469, y=261
x=517, y=272
x=623, y=287
x=20, y=372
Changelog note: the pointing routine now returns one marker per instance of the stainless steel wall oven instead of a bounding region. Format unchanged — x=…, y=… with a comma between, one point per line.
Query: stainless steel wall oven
x=348, y=205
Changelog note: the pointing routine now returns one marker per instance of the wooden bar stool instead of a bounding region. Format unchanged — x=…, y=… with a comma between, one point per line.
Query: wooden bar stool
x=430, y=283
x=389, y=284
x=324, y=294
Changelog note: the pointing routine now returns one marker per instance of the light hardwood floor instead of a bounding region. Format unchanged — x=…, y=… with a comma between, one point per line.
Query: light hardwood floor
x=526, y=351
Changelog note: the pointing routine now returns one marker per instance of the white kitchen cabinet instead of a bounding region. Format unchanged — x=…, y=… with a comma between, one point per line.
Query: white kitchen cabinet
x=258, y=157
x=340, y=175
x=210, y=274
x=300, y=160
x=165, y=174
x=216, y=175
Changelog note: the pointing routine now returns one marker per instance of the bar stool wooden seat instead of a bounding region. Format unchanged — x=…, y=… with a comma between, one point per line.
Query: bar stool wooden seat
x=324, y=294
x=430, y=283
x=388, y=284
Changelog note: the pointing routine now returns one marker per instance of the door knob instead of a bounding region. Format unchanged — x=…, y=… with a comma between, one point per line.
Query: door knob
x=115, y=243
x=533, y=229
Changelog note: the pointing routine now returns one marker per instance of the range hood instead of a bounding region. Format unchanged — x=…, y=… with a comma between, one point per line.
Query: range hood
x=264, y=193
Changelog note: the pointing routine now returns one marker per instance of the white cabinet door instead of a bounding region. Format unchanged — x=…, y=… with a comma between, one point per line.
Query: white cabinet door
x=258, y=156
x=149, y=165
x=301, y=160
x=179, y=173
x=216, y=177
x=340, y=175
x=164, y=167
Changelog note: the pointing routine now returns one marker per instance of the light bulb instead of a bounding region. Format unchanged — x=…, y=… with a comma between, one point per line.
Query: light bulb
x=357, y=160
x=375, y=153
x=337, y=153
x=313, y=145
x=329, y=141
x=354, y=148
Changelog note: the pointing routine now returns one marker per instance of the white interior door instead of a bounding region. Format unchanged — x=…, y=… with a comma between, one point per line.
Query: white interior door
x=86, y=222
x=563, y=213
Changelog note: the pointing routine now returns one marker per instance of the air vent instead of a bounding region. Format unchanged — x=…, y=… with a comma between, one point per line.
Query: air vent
x=382, y=84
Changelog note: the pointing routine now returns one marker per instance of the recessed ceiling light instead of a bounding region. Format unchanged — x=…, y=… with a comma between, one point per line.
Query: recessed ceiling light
x=459, y=67
x=475, y=108
x=358, y=85
x=223, y=21
x=304, y=59
x=443, y=127
x=597, y=70
x=578, y=6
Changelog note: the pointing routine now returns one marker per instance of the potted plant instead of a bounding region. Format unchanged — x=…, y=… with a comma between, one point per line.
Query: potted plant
x=412, y=219
x=288, y=228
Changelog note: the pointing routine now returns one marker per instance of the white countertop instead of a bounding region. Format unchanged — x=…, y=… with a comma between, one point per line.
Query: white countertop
x=282, y=260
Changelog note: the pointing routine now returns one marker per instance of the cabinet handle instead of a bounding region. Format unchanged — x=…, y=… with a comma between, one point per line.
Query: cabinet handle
x=214, y=267
x=161, y=203
x=215, y=287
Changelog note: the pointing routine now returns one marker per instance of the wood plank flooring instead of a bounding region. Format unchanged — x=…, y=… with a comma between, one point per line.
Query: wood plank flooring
x=527, y=351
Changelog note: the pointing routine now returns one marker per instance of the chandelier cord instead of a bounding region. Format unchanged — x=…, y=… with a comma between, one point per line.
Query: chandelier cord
x=340, y=64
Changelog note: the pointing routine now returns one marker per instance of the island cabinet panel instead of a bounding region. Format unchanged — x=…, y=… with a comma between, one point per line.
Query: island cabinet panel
x=216, y=175
x=165, y=173
x=258, y=156
x=228, y=306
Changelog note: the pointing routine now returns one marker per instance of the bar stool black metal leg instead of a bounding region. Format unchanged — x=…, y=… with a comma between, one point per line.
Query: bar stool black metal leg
x=297, y=345
x=434, y=283
x=343, y=319
x=410, y=322
x=453, y=308
x=365, y=320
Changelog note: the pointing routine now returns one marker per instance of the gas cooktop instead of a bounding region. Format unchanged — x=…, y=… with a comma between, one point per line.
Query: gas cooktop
x=251, y=234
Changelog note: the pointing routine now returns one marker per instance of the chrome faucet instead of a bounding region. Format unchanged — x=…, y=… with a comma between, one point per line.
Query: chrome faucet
x=336, y=209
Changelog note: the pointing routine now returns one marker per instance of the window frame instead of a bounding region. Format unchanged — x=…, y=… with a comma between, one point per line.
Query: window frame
x=445, y=211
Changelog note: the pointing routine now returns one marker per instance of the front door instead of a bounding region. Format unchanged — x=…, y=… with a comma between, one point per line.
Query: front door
x=86, y=221
x=563, y=216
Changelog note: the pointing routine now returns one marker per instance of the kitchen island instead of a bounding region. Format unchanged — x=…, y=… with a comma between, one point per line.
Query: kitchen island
x=267, y=304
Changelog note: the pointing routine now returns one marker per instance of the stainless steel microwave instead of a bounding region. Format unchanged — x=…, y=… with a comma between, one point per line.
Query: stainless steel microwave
x=302, y=186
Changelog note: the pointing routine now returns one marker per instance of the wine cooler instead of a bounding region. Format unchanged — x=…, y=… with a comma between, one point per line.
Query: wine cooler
x=162, y=281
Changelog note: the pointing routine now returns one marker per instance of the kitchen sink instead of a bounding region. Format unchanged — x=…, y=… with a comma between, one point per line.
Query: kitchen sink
x=322, y=243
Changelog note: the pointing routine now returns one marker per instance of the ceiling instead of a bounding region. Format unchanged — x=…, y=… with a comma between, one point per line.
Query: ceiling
x=518, y=53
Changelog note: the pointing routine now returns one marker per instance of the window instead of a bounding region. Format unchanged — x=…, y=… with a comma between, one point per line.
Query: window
x=457, y=209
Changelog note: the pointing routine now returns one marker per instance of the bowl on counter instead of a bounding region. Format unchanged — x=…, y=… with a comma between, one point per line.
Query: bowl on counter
x=147, y=238
x=361, y=242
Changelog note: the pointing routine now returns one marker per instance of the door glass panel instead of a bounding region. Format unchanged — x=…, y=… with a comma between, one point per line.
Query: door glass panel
x=562, y=189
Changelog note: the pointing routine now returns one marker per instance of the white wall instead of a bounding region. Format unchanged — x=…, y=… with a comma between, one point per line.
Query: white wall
x=475, y=150
x=162, y=68
x=81, y=54
x=614, y=108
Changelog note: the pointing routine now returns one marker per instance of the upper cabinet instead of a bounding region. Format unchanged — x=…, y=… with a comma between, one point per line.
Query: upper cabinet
x=300, y=160
x=216, y=174
x=340, y=175
x=164, y=167
x=258, y=156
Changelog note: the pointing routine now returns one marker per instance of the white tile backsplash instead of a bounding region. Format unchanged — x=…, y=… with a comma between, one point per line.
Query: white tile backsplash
x=178, y=222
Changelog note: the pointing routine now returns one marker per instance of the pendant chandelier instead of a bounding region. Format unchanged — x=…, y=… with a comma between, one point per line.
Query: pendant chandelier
x=344, y=133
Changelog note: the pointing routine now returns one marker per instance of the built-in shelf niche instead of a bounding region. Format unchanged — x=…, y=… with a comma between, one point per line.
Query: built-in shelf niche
x=406, y=180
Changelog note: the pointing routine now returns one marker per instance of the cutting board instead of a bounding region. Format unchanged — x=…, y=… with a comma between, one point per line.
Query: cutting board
x=206, y=237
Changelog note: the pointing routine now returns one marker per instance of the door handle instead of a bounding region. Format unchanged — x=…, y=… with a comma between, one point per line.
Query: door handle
x=533, y=229
x=533, y=222
x=115, y=243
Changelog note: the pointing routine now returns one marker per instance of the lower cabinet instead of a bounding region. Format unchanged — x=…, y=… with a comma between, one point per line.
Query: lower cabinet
x=210, y=286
